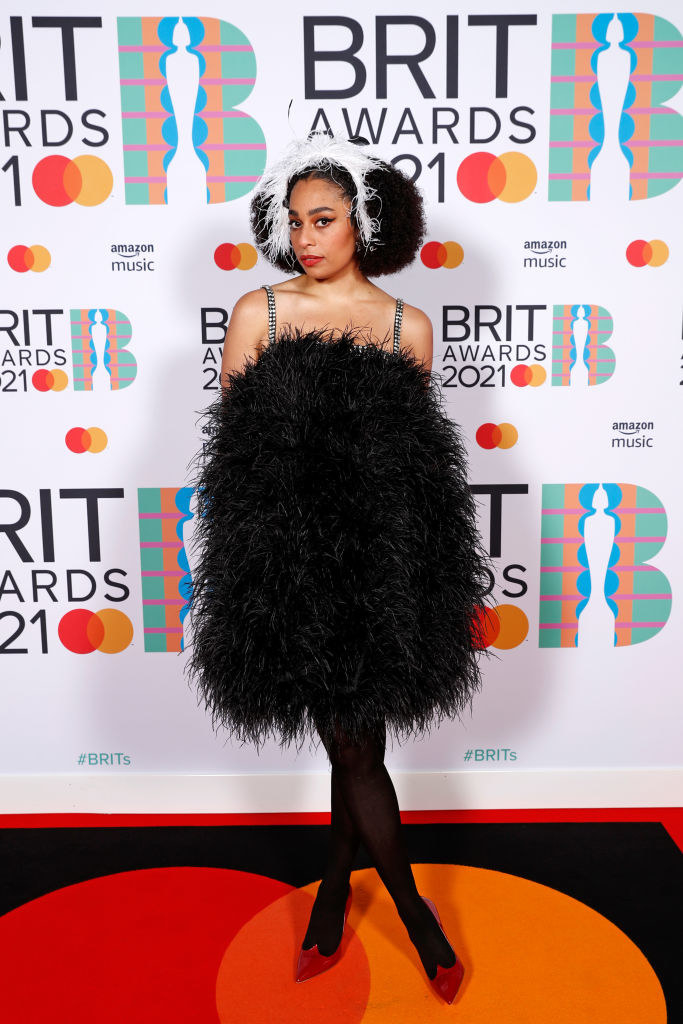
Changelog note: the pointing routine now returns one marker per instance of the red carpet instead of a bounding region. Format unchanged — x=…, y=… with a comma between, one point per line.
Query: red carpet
x=112, y=918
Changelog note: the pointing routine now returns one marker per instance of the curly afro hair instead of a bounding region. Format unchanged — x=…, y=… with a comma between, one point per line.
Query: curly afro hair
x=397, y=205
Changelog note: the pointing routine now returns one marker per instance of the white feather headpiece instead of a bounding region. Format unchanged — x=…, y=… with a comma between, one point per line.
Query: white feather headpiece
x=322, y=150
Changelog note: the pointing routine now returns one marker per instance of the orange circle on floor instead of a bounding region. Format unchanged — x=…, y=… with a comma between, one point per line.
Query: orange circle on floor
x=530, y=953
x=259, y=965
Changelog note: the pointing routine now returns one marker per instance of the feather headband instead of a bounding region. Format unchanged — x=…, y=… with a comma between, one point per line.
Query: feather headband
x=322, y=150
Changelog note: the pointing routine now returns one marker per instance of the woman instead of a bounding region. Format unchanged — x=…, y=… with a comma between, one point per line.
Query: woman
x=340, y=578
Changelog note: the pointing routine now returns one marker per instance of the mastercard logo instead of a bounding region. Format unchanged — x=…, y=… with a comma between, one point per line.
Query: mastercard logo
x=28, y=257
x=501, y=435
x=532, y=376
x=510, y=177
x=442, y=254
x=49, y=380
x=108, y=630
x=504, y=626
x=79, y=440
x=647, y=254
x=230, y=257
x=85, y=180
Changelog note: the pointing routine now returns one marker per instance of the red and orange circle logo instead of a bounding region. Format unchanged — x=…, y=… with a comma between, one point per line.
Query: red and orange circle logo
x=59, y=181
x=523, y=376
x=442, y=254
x=504, y=626
x=49, y=380
x=82, y=631
x=497, y=435
x=28, y=257
x=510, y=177
x=647, y=254
x=79, y=440
x=229, y=257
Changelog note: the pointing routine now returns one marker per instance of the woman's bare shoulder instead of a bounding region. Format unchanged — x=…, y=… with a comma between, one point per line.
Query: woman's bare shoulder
x=417, y=333
x=247, y=326
x=251, y=303
x=416, y=319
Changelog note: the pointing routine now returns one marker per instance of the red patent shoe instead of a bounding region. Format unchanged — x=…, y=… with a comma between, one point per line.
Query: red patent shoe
x=311, y=962
x=447, y=980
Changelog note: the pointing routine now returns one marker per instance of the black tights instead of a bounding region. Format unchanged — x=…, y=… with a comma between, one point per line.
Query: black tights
x=365, y=808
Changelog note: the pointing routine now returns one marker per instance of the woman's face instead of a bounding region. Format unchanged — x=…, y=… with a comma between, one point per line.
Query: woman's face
x=321, y=231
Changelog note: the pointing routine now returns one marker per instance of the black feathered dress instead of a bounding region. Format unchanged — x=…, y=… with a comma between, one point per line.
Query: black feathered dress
x=337, y=573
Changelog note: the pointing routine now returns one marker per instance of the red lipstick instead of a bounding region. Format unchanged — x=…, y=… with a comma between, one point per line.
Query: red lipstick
x=310, y=261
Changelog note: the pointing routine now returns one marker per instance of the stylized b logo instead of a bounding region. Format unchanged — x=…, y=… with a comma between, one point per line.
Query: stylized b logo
x=610, y=131
x=98, y=350
x=218, y=152
x=580, y=355
x=598, y=588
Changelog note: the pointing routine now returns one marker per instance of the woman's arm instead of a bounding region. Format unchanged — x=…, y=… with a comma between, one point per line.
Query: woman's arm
x=417, y=334
x=247, y=327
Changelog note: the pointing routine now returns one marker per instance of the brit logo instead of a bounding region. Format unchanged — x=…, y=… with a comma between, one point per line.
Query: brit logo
x=100, y=357
x=580, y=355
x=215, y=154
x=598, y=586
x=611, y=133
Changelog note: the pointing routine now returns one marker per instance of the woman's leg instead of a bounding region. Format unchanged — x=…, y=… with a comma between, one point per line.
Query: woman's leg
x=369, y=797
x=327, y=917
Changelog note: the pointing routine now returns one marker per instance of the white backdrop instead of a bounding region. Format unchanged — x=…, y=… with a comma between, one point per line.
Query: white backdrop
x=92, y=579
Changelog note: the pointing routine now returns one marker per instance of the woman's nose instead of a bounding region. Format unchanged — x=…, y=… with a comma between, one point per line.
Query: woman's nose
x=306, y=234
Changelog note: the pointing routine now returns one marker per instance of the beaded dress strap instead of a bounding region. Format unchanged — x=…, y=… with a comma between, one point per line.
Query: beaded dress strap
x=271, y=312
x=398, y=320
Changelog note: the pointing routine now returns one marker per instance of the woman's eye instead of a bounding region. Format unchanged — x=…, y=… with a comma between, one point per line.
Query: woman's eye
x=294, y=224
x=323, y=221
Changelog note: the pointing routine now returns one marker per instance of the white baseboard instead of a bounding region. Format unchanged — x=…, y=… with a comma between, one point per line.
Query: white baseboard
x=146, y=793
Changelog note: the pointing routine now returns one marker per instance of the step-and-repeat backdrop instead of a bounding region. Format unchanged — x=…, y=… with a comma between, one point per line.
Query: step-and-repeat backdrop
x=548, y=141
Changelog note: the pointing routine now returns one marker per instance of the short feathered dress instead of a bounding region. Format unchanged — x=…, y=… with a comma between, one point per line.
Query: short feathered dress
x=337, y=573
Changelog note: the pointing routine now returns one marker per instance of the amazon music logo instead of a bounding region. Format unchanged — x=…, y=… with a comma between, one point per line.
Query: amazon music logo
x=132, y=256
x=545, y=255
x=633, y=434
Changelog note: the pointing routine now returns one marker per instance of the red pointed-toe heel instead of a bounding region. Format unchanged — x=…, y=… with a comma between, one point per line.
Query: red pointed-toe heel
x=311, y=962
x=448, y=979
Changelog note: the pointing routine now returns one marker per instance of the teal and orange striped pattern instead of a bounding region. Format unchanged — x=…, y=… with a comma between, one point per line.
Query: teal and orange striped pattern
x=637, y=592
x=120, y=364
x=166, y=582
x=229, y=143
x=598, y=357
x=650, y=133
